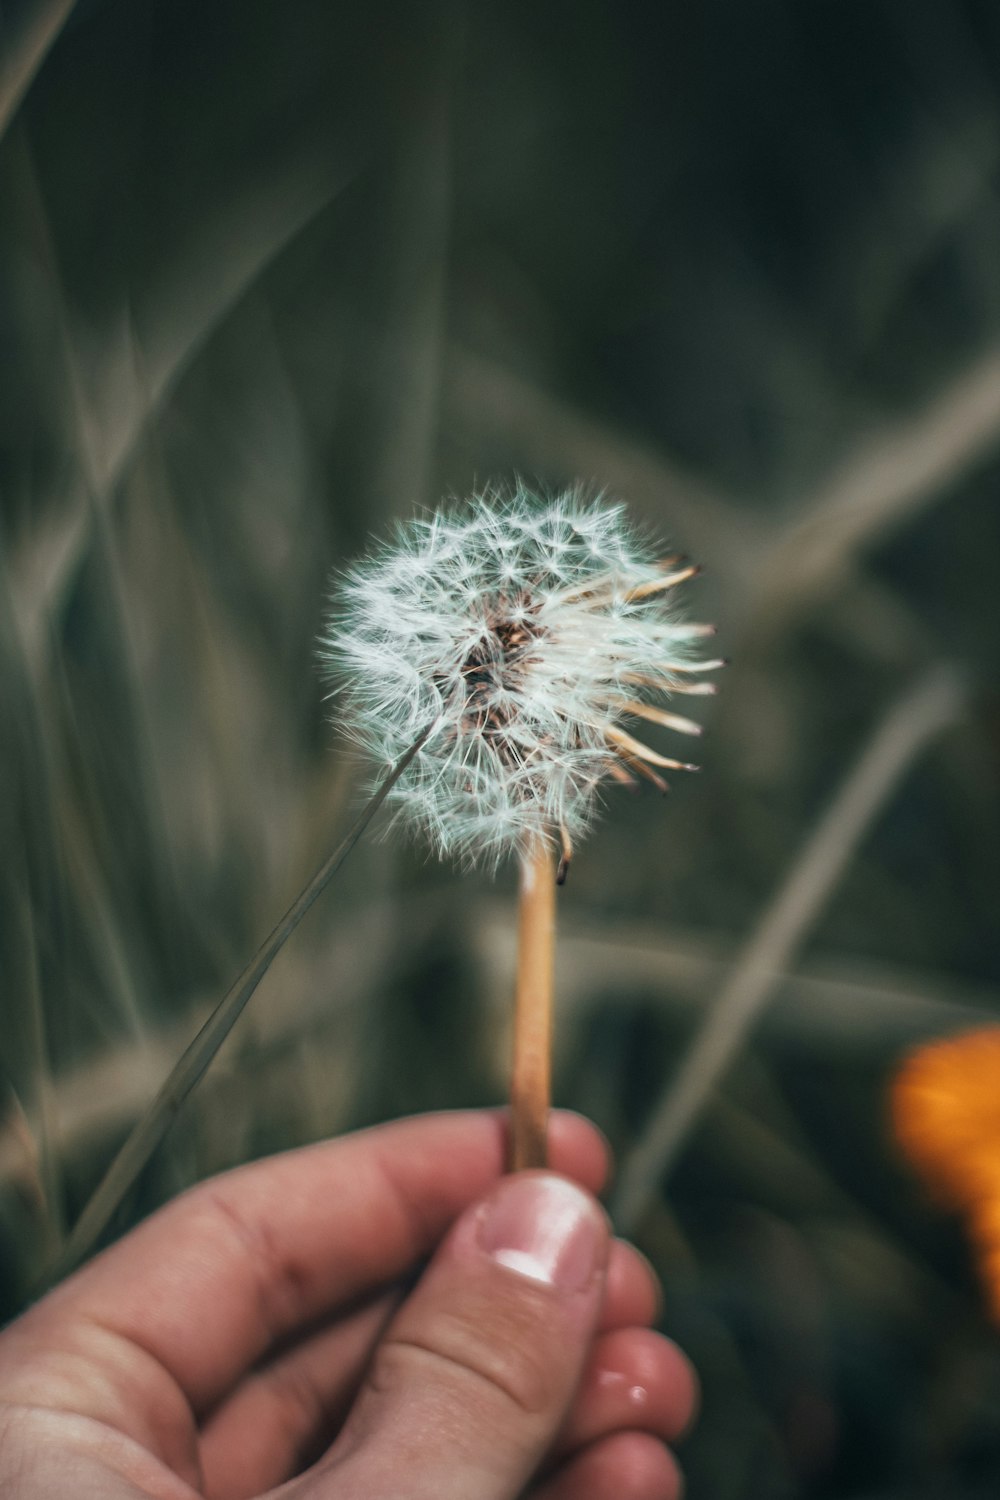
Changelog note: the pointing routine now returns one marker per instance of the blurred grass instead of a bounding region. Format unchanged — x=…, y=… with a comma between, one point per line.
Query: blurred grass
x=269, y=277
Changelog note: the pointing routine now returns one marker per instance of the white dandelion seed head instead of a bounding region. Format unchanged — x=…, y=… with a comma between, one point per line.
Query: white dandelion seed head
x=521, y=629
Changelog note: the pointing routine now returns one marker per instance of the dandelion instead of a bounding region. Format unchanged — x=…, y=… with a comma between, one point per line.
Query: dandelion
x=945, y=1101
x=528, y=639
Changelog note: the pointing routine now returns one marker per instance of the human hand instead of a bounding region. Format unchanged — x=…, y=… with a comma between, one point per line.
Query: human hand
x=263, y=1335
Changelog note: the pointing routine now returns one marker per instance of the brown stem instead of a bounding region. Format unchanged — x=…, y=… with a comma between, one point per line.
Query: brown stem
x=531, y=1079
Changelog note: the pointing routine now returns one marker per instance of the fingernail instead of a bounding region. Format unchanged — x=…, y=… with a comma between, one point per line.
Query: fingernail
x=546, y=1229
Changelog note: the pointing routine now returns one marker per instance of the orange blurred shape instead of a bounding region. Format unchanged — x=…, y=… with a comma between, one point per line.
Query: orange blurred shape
x=945, y=1100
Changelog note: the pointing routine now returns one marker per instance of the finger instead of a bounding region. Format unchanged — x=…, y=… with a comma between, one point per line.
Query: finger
x=634, y=1379
x=285, y=1412
x=632, y=1290
x=469, y=1387
x=247, y=1258
x=627, y=1466
x=281, y=1417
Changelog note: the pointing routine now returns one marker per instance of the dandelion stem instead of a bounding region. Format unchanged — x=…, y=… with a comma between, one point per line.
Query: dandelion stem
x=531, y=1078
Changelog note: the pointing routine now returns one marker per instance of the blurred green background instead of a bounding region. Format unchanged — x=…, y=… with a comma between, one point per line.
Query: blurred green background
x=271, y=275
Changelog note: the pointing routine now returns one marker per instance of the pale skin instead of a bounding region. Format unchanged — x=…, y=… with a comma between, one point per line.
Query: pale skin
x=366, y=1319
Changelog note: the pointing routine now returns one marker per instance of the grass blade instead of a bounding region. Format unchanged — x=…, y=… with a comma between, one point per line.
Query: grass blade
x=25, y=51
x=150, y=1130
x=909, y=724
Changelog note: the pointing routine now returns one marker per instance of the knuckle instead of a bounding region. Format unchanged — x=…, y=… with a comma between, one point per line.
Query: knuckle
x=277, y=1280
x=297, y=1406
x=497, y=1350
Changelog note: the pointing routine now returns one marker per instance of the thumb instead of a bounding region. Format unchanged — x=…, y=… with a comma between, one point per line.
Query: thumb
x=470, y=1385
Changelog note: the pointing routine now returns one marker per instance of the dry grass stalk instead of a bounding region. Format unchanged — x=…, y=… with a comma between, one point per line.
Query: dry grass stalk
x=147, y=1134
x=907, y=727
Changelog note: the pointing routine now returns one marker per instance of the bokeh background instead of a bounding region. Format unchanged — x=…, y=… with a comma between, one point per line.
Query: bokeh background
x=272, y=275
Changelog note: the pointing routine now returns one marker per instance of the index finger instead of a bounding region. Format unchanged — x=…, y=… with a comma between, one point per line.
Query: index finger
x=238, y=1264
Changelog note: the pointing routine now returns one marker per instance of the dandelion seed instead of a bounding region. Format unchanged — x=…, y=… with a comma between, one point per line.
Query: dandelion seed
x=524, y=634
x=521, y=629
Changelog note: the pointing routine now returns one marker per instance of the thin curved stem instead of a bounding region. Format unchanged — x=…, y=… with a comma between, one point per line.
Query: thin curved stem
x=150, y=1130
